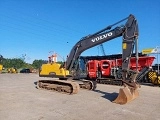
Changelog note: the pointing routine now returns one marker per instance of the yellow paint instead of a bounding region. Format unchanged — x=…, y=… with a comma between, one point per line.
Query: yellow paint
x=47, y=69
x=147, y=51
x=155, y=79
x=1, y=67
x=124, y=46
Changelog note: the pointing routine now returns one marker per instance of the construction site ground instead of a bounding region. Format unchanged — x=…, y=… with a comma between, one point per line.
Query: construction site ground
x=21, y=100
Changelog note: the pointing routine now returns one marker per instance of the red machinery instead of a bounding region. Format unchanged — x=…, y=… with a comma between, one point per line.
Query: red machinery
x=110, y=68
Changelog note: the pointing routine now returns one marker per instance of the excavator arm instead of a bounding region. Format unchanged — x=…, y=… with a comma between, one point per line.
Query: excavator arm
x=129, y=32
x=90, y=41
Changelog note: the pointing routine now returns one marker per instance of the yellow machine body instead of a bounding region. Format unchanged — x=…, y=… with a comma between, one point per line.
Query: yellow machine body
x=12, y=70
x=53, y=70
x=1, y=67
x=154, y=77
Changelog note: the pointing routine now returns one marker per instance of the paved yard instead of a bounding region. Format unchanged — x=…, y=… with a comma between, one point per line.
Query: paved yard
x=20, y=100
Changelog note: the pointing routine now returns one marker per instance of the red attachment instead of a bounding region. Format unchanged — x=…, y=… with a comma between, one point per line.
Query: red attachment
x=142, y=62
x=93, y=66
x=105, y=66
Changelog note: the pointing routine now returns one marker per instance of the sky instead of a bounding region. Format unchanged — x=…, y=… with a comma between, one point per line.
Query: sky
x=35, y=29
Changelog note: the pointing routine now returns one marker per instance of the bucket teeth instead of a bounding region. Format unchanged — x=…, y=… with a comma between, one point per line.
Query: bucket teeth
x=126, y=95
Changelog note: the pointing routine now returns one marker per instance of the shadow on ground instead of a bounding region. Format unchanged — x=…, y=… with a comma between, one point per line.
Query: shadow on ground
x=35, y=83
x=108, y=96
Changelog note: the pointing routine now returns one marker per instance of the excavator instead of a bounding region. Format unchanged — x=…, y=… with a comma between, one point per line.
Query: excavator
x=72, y=82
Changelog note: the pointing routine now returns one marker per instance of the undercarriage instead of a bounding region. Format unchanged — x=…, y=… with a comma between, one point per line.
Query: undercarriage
x=66, y=86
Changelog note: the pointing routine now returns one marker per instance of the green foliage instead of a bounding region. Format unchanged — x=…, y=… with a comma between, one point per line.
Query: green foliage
x=1, y=58
x=60, y=62
x=37, y=63
x=15, y=62
x=20, y=63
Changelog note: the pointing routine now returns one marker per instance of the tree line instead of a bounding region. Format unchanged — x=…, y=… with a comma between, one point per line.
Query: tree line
x=20, y=63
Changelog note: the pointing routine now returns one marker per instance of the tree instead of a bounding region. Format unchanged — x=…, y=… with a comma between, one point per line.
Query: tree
x=37, y=63
x=60, y=62
x=1, y=58
x=15, y=62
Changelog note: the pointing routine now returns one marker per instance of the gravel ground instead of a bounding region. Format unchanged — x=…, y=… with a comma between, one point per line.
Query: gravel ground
x=20, y=100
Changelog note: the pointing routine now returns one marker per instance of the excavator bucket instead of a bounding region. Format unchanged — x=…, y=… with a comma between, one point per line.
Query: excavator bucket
x=126, y=95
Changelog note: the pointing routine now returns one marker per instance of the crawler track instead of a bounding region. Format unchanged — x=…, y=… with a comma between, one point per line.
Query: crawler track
x=109, y=81
x=67, y=87
x=87, y=84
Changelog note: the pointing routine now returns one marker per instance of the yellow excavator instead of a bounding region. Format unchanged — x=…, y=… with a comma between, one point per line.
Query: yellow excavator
x=12, y=70
x=73, y=81
x=1, y=66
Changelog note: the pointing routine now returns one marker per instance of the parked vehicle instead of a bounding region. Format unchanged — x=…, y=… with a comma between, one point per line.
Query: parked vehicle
x=25, y=70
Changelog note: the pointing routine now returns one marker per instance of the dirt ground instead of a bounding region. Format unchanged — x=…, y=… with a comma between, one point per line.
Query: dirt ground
x=20, y=100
